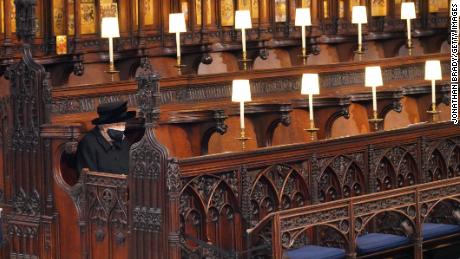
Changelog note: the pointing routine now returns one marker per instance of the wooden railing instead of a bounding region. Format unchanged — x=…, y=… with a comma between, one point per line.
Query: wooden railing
x=230, y=192
x=220, y=196
x=350, y=218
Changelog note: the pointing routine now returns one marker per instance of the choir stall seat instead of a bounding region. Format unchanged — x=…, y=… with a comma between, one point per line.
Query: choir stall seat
x=315, y=252
x=377, y=242
x=434, y=230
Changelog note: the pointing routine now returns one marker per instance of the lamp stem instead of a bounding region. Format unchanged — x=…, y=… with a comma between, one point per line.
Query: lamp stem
x=433, y=92
x=242, y=115
x=360, y=38
x=304, y=43
x=310, y=103
x=111, y=52
x=243, y=39
x=409, y=34
x=178, y=45
x=374, y=98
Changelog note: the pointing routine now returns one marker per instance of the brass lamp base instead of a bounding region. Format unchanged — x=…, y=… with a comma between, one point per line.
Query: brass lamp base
x=245, y=62
x=303, y=54
x=433, y=113
x=243, y=139
x=376, y=121
x=179, y=64
x=409, y=44
x=313, y=132
x=360, y=54
x=112, y=70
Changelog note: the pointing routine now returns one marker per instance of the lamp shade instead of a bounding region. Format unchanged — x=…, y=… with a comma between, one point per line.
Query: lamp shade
x=243, y=19
x=241, y=91
x=433, y=70
x=359, y=14
x=373, y=76
x=109, y=27
x=302, y=17
x=408, y=10
x=177, y=22
x=310, y=84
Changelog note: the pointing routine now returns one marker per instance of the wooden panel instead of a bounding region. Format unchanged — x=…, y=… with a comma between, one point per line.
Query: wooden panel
x=294, y=133
x=229, y=142
x=355, y=125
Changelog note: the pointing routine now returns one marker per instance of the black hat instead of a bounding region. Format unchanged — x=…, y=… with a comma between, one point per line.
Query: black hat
x=113, y=113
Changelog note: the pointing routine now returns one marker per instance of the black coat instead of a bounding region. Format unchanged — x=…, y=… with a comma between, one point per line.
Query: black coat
x=97, y=154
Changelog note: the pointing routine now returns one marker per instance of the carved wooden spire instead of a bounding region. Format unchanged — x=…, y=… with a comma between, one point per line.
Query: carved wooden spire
x=154, y=217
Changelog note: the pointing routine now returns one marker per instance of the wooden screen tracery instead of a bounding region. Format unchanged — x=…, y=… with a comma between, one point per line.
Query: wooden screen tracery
x=396, y=168
x=386, y=176
x=342, y=178
x=436, y=167
x=209, y=211
x=442, y=160
x=454, y=163
x=277, y=187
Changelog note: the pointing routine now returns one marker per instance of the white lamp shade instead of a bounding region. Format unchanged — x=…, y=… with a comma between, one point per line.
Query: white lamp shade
x=302, y=17
x=241, y=91
x=433, y=70
x=243, y=19
x=177, y=22
x=373, y=76
x=310, y=84
x=109, y=27
x=408, y=10
x=359, y=14
x=457, y=2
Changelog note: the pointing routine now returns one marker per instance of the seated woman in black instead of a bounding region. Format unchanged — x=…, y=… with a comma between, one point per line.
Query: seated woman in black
x=105, y=148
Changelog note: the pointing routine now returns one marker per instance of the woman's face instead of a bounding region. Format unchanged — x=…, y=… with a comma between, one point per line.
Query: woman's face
x=116, y=126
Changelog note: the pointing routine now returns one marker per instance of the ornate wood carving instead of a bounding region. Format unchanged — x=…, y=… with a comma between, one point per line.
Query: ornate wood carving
x=341, y=177
x=151, y=214
x=104, y=212
x=30, y=196
x=199, y=92
x=393, y=212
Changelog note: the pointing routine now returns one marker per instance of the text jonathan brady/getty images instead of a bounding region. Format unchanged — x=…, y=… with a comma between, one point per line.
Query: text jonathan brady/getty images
x=454, y=29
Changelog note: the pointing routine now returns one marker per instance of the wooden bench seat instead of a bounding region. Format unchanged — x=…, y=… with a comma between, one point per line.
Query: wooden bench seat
x=376, y=242
x=315, y=252
x=434, y=230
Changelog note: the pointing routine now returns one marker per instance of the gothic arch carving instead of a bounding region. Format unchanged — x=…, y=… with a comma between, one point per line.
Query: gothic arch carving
x=437, y=169
x=385, y=175
x=442, y=160
x=454, y=163
x=396, y=168
x=341, y=177
x=278, y=187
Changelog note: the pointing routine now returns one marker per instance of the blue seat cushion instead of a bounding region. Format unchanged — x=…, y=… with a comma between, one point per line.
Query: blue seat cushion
x=315, y=252
x=374, y=242
x=432, y=230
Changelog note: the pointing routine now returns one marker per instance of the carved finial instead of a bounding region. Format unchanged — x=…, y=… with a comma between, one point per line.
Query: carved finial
x=148, y=97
